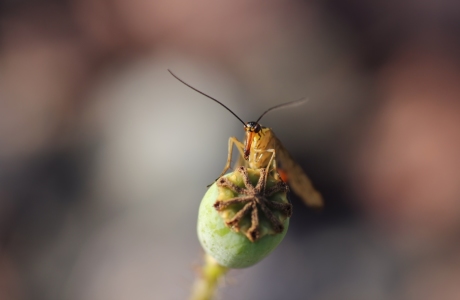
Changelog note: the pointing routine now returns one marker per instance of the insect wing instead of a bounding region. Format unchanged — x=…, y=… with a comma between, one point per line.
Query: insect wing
x=297, y=179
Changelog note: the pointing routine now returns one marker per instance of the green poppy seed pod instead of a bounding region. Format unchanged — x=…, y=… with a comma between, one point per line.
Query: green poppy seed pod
x=243, y=216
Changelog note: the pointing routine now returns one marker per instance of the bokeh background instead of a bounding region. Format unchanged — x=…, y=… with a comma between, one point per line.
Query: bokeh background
x=104, y=156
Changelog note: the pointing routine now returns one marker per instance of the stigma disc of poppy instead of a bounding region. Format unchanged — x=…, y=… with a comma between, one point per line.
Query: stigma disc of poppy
x=262, y=149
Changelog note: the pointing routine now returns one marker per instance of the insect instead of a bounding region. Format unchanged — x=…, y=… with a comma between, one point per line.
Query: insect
x=262, y=149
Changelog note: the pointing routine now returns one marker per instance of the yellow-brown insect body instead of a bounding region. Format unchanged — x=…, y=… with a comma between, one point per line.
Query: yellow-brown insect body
x=264, y=150
x=259, y=143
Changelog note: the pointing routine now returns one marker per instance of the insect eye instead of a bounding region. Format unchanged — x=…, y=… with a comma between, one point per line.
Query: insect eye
x=252, y=127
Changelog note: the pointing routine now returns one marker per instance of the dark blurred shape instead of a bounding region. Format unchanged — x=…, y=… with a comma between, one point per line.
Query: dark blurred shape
x=380, y=27
x=410, y=157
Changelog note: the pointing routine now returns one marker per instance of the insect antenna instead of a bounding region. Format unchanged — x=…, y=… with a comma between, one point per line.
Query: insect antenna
x=283, y=105
x=206, y=96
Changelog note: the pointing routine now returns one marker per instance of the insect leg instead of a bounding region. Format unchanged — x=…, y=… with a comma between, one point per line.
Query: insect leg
x=232, y=141
x=272, y=160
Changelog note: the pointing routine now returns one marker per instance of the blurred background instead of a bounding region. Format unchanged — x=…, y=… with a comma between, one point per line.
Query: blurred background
x=104, y=156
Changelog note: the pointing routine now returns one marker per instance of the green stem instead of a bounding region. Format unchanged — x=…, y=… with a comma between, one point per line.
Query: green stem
x=205, y=286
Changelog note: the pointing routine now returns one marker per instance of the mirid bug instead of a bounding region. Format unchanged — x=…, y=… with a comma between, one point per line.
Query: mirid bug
x=262, y=149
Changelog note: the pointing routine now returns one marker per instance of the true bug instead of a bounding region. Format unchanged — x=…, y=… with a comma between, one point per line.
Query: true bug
x=262, y=149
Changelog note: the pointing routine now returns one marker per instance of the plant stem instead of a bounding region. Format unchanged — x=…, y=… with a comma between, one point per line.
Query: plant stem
x=210, y=274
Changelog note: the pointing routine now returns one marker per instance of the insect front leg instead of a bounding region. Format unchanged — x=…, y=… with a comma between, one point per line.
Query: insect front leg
x=232, y=141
